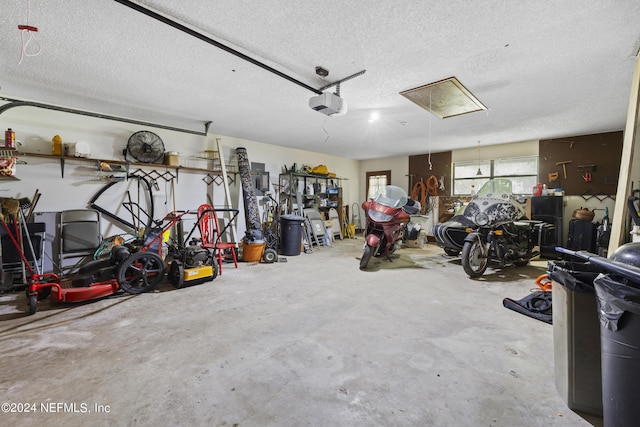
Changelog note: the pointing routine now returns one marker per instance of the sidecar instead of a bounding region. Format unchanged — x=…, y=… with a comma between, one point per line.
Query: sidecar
x=495, y=201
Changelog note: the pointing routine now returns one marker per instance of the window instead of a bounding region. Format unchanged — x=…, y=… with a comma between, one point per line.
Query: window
x=468, y=177
x=376, y=181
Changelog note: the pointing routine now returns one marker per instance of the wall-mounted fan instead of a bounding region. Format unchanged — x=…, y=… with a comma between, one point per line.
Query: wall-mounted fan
x=145, y=147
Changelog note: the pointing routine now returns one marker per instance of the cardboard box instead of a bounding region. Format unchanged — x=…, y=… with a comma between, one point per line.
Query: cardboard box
x=171, y=158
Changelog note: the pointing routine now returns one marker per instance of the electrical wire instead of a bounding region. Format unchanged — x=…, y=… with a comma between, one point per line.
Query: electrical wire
x=325, y=131
x=419, y=194
x=425, y=193
x=31, y=31
x=432, y=186
x=429, y=143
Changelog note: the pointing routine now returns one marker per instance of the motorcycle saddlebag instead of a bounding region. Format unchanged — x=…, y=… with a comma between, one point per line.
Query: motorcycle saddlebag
x=412, y=207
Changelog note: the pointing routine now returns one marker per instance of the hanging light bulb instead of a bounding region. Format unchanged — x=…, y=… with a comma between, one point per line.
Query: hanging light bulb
x=479, y=173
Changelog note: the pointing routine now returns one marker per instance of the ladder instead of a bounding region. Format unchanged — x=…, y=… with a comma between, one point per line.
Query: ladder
x=218, y=161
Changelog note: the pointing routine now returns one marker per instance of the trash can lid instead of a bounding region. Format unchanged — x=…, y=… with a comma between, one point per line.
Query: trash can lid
x=628, y=254
x=291, y=217
x=575, y=276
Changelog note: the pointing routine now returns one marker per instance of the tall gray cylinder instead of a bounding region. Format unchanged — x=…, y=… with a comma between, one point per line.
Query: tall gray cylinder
x=290, y=234
x=251, y=212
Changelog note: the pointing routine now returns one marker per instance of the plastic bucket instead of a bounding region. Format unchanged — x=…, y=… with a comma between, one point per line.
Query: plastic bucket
x=252, y=252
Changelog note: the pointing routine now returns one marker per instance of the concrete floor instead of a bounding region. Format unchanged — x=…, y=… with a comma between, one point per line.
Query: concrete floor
x=313, y=341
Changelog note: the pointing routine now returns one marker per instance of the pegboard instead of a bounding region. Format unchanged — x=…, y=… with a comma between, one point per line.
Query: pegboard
x=440, y=168
x=592, y=163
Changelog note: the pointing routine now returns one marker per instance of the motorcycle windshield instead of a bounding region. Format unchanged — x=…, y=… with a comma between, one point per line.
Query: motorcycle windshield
x=495, y=187
x=495, y=199
x=391, y=196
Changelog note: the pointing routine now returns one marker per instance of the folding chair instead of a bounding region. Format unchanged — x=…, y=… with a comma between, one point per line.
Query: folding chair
x=335, y=223
x=80, y=234
x=211, y=233
x=317, y=225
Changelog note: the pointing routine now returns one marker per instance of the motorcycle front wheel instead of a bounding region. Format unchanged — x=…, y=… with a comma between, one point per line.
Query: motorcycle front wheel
x=366, y=256
x=473, y=263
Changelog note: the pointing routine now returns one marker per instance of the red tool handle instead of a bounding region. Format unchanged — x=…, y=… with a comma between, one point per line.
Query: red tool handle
x=28, y=28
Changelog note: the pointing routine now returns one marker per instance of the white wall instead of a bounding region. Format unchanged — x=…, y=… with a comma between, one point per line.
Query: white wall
x=275, y=158
x=107, y=139
x=399, y=167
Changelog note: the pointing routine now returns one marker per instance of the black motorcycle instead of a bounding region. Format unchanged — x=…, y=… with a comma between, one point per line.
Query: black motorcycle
x=502, y=243
x=495, y=199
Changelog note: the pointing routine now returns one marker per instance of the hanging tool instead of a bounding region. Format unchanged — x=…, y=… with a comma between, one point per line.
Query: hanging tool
x=572, y=143
x=553, y=176
x=564, y=167
x=588, y=170
x=34, y=201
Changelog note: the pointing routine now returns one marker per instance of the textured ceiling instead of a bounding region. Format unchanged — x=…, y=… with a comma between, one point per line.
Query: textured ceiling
x=544, y=69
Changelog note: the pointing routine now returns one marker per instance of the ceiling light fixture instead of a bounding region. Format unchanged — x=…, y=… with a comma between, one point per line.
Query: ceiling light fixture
x=444, y=98
x=479, y=173
x=322, y=72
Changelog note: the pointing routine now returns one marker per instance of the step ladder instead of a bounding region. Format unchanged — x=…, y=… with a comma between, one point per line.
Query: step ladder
x=219, y=164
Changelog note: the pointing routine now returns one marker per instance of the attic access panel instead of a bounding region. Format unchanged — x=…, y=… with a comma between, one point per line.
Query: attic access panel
x=444, y=98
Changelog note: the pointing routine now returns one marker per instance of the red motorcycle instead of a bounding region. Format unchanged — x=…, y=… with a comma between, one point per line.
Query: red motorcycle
x=387, y=217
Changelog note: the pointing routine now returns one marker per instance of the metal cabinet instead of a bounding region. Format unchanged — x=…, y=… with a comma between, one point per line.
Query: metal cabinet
x=549, y=209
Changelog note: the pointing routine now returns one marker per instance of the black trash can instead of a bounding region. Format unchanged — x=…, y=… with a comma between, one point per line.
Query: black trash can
x=619, y=313
x=290, y=234
x=576, y=335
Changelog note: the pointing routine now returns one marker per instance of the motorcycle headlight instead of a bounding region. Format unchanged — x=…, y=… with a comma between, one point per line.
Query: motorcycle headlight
x=482, y=219
x=379, y=216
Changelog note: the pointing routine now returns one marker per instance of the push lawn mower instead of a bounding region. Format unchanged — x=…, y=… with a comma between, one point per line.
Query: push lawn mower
x=135, y=267
x=135, y=273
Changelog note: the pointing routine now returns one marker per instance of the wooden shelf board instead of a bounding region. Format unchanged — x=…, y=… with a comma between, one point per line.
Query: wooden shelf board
x=122, y=162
